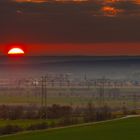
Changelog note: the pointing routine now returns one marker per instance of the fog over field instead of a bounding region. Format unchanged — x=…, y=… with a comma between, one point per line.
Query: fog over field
x=93, y=67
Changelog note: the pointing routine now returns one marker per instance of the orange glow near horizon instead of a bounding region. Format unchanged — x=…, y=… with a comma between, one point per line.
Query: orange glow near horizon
x=15, y=51
x=94, y=49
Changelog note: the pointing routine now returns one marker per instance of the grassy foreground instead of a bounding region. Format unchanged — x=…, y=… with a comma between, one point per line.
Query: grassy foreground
x=23, y=123
x=126, y=129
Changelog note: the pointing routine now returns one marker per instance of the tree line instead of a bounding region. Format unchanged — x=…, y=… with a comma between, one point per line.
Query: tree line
x=60, y=115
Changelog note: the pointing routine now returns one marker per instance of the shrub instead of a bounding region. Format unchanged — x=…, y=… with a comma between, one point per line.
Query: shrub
x=10, y=129
x=38, y=126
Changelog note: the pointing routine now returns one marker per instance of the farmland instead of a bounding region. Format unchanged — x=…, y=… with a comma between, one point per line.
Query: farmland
x=119, y=129
x=114, y=97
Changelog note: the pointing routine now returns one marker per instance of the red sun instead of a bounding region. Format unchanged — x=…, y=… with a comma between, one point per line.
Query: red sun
x=16, y=52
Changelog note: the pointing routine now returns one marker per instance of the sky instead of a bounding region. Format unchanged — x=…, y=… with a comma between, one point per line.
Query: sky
x=78, y=27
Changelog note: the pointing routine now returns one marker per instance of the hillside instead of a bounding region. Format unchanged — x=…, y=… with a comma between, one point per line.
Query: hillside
x=126, y=129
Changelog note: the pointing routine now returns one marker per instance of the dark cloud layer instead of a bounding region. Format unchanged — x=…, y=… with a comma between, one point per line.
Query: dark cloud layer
x=86, y=22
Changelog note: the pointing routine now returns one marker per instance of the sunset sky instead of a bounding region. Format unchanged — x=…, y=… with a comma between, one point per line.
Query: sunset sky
x=100, y=27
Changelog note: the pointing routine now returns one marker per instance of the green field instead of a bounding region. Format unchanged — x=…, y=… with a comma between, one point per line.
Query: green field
x=126, y=129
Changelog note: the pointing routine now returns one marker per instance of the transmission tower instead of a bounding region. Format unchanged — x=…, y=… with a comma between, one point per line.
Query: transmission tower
x=102, y=91
x=44, y=91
